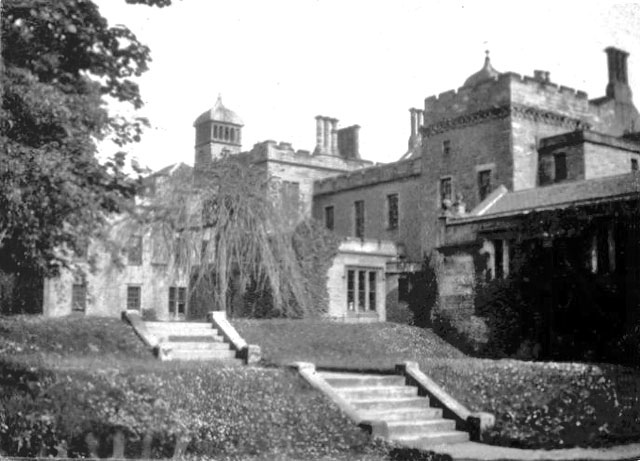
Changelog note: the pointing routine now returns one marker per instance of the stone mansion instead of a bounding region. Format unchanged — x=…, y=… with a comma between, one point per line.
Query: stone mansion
x=479, y=158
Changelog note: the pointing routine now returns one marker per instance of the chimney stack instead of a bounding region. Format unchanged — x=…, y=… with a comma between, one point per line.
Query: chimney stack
x=618, y=86
x=541, y=76
x=334, y=137
x=319, y=134
x=412, y=111
x=417, y=120
x=326, y=135
x=349, y=142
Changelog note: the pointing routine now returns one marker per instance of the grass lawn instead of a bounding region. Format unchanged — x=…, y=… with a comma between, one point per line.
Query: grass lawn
x=537, y=405
x=365, y=346
x=60, y=378
x=63, y=378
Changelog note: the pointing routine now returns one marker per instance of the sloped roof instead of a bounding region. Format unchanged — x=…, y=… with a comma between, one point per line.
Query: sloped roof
x=558, y=196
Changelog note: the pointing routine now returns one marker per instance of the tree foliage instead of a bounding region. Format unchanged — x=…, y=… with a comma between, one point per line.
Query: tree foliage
x=229, y=231
x=61, y=62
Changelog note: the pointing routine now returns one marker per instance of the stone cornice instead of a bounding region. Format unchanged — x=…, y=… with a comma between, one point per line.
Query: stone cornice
x=496, y=113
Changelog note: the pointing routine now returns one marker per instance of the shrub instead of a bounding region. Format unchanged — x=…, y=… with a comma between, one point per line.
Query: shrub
x=398, y=311
x=43, y=411
x=149, y=315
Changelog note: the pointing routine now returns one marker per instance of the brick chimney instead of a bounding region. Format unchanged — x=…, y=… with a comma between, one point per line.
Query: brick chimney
x=618, y=86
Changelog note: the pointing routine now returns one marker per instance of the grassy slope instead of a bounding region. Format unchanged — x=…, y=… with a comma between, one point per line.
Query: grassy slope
x=94, y=374
x=550, y=405
x=366, y=346
x=66, y=336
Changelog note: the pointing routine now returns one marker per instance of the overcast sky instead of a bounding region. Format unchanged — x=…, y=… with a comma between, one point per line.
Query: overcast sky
x=279, y=63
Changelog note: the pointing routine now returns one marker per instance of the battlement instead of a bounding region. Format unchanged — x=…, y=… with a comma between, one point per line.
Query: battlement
x=371, y=175
x=507, y=88
x=284, y=152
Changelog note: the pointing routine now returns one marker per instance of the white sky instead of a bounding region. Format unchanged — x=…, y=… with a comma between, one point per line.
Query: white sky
x=279, y=63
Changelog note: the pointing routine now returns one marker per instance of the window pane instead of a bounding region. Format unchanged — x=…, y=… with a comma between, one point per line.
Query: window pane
x=359, y=218
x=328, y=217
x=446, y=147
x=172, y=300
x=445, y=191
x=182, y=300
x=372, y=290
x=133, y=298
x=498, y=257
x=560, y=167
x=351, y=290
x=392, y=209
x=361, y=290
x=484, y=183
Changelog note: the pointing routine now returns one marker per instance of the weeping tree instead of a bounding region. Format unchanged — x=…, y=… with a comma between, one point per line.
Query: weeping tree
x=229, y=230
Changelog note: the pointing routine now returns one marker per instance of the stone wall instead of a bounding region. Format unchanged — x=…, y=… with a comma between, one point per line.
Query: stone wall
x=372, y=186
x=603, y=160
x=107, y=285
x=485, y=145
x=495, y=125
x=283, y=163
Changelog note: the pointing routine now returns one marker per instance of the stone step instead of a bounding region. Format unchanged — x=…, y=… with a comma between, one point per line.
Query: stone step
x=181, y=331
x=207, y=346
x=420, y=427
x=200, y=354
x=177, y=325
x=377, y=392
x=339, y=380
x=185, y=338
x=389, y=404
x=402, y=414
x=429, y=440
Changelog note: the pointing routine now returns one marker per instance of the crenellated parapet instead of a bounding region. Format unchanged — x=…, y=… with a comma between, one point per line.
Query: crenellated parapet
x=509, y=94
x=508, y=89
x=283, y=152
x=367, y=176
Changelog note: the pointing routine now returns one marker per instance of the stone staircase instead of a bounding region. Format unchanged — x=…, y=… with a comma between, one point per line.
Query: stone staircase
x=409, y=418
x=192, y=341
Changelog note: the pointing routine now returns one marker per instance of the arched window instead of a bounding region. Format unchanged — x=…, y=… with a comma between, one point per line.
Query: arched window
x=226, y=133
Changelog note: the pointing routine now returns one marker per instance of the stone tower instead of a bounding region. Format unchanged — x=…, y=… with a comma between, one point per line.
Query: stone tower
x=218, y=131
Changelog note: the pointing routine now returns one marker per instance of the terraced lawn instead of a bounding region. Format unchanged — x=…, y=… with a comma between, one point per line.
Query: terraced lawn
x=537, y=404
